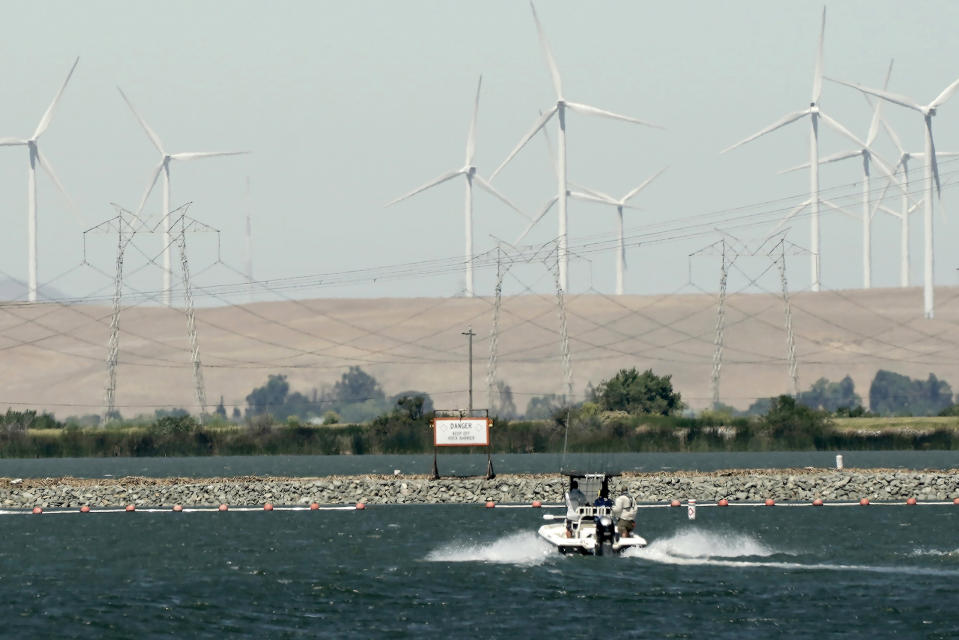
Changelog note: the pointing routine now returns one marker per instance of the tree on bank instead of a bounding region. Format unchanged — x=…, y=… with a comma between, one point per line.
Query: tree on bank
x=893, y=394
x=639, y=393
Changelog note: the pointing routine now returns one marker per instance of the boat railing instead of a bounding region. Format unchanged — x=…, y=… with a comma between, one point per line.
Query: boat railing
x=592, y=511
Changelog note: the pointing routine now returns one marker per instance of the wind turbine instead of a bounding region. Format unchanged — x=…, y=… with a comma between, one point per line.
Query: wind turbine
x=931, y=171
x=559, y=109
x=37, y=158
x=906, y=208
x=468, y=171
x=815, y=114
x=620, y=204
x=164, y=168
x=867, y=155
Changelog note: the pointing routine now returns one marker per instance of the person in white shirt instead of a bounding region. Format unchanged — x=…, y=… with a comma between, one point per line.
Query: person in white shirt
x=624, y=512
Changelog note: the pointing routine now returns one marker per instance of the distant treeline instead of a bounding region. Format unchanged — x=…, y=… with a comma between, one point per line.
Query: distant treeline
x=787, y=427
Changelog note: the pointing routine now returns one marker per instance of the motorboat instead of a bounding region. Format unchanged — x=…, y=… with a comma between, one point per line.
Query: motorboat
x=588, y=528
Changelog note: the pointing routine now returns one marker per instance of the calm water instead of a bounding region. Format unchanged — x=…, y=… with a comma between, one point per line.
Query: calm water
x=465, y=571
x=457, y=464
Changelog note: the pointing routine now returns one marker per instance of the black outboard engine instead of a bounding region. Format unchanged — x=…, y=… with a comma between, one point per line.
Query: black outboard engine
x=605, y=535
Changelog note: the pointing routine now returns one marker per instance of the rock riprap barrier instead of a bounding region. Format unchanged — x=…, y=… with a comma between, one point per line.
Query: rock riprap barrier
x=792, y=485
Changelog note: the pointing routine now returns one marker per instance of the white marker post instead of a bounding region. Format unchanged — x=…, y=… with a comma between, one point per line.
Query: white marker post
x=691, y=509
x=839, y=461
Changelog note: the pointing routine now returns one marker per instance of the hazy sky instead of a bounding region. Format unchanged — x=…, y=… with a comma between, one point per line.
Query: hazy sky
x=346, y=105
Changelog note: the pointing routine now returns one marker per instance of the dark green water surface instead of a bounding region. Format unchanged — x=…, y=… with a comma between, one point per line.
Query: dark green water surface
x=465, y=571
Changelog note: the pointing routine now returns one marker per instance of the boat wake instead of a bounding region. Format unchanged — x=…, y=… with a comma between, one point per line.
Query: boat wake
x=523, y=548
x=738, y=550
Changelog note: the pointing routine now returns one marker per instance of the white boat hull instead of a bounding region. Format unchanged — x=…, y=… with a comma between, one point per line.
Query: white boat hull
x=584, y=541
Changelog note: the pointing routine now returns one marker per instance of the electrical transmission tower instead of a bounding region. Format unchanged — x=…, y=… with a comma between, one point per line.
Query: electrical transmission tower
x=730, y=249
x=127, y=225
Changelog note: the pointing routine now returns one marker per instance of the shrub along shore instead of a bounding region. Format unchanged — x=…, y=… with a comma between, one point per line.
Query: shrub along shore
x=791, y=485
x=401, y=434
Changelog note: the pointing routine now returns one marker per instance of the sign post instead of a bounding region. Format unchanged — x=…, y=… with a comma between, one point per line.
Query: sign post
x=461, y=430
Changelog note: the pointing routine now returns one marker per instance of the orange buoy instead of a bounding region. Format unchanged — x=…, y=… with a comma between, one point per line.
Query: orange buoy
x=864, y=502
x=360, y=506
x=130, y=507
x=911, y=501
x=268, y=507
x=223, y=507
x=955, y=501
x=490, y=504
x=37, y=510
x=178, y=508
x=817, y=502
x=536, y=504
x=84, y=509
x=675, y=503
x=770, y=502
x=723, y=502
x=314, y=506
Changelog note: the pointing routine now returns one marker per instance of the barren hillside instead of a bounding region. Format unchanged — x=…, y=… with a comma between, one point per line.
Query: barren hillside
x=54, y=355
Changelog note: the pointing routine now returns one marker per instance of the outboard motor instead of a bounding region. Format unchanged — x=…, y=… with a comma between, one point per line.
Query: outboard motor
x=605, y=534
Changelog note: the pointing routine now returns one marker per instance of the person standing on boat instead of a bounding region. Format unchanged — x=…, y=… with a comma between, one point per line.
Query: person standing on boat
x=574, y=500
x=624, y=511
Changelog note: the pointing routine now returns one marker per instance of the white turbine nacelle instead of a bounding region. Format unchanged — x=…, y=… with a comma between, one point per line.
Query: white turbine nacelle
x=164, y=168
x=35, y=158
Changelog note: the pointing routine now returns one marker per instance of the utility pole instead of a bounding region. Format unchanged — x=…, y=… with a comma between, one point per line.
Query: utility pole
x=469, y=334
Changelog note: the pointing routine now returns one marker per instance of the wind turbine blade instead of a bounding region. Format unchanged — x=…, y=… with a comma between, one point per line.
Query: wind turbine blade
x=596, y=193
x=153, y=181
x=895, y=139
x=836, y=157
x=489, y=188
x=596, y=111
x=932, y=154
x=833, y=205
x=197, y=155
x=543, y=119
x=645, y=184
x=790, y=215
x=12, y=142
x=532, y=224
x=883, y=165
x=143, y=123
x=550, y=61
x=842, y=130
x=48, y=114
x=471, y=138
x=432, y=183
x=817, y=77
x=45, y=164
x=944, y=96
x=895, y=98
x=874, y=124
x=792, y=117
x=590, y=197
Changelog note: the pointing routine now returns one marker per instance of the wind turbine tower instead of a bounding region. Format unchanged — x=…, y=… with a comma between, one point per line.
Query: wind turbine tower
x=164, y=168
x=37, y=158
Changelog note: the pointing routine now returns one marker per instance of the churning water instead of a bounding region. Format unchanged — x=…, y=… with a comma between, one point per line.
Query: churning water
x=464, y=571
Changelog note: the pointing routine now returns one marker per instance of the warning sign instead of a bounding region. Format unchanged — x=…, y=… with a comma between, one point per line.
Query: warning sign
x=461, y=432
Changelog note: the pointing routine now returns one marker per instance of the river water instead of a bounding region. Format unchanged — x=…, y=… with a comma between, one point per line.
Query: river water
x=463, y=464
x=458, y=571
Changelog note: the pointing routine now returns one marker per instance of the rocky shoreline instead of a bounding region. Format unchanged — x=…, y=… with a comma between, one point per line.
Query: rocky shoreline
x=781, y=485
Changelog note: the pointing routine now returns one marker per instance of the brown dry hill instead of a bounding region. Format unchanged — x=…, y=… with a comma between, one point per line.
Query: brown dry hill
x=55, y=354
